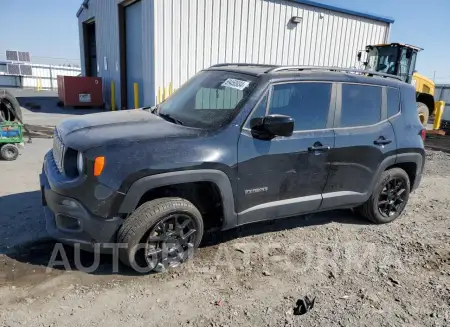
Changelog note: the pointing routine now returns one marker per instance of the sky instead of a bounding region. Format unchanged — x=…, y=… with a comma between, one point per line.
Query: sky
x=49, y=28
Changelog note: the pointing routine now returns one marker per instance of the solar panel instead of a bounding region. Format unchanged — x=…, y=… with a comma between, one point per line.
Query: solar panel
x=24, y=57
x=12, y=55
x=13, y=69
x=26, y=70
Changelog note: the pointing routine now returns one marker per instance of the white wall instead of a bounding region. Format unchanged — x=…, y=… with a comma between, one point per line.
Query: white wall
x=46, y=76
x=181, y=37
x=194, y=34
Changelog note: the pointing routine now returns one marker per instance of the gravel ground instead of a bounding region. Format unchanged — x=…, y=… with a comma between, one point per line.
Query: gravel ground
x=359, y=274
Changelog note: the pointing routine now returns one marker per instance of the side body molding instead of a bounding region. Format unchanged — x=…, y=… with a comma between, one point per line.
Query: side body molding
x=141, y=186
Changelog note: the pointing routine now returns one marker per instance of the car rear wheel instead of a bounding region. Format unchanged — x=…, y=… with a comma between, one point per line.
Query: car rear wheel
x=160, y=234
x=389, y=198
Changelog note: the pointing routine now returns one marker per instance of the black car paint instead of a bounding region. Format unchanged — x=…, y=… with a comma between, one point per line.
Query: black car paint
x=143, y=151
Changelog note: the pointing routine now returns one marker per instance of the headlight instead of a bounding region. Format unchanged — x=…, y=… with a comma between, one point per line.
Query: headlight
x=80, y=162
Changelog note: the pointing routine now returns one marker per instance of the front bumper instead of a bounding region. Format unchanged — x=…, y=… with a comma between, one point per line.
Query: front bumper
x=70, y=222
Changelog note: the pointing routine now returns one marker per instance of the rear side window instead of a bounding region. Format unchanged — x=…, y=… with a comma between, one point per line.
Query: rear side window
x=361, y=105
x=393, y=101
x=307, y=103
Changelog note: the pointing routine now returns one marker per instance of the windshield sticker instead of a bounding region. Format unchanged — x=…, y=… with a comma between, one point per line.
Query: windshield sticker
x=236, y=84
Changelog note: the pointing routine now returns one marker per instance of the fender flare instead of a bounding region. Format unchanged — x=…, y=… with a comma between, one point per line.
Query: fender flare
x=145, y=184
x=418, y=159
x=409, y=157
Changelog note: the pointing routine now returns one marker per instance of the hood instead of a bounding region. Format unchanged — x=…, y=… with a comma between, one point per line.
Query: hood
x=128, y=126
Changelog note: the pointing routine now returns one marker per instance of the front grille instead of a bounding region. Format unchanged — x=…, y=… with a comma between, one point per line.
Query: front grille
x=58, y=152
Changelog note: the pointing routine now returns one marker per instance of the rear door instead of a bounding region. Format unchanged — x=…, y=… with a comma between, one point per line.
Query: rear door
x=364, y=138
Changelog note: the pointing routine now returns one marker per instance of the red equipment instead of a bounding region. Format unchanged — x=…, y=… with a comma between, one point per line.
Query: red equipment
x=80, y=91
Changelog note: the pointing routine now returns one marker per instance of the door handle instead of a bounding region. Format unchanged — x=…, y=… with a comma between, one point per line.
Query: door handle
x=382, y=141
x=319, y=147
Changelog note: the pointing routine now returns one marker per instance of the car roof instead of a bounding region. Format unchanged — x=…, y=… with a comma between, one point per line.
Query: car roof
x=308, y=73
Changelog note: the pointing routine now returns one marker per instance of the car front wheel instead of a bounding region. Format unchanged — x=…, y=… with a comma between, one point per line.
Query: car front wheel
x=160, y=234
x=389, y=198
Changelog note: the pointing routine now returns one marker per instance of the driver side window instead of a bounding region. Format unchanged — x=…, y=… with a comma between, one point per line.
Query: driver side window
x=307, y=102
x=259, y=111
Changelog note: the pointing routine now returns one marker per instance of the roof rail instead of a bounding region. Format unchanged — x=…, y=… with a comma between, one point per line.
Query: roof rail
x=333, y=69
x=243, y=65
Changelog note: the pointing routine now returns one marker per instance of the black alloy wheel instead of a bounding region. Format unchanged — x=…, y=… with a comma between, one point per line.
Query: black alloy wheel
x=171, y=241
x=160, y=234
x=391, y=200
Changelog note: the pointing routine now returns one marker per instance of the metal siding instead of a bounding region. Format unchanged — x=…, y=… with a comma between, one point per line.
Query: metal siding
x=200, y=31
x=105, y=13
x=176, y=50
x=134, y=50
x=442, y=93
x=148, y=53
x=195, y=34
x=44, y=76
x=208, y=35
x=183, y=44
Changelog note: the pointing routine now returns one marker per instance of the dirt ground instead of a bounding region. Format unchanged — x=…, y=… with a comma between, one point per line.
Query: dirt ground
x=359, y=274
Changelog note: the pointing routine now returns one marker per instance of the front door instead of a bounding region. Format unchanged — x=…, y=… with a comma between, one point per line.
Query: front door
x=133, y=43
x=364, y=139
x=285, y=176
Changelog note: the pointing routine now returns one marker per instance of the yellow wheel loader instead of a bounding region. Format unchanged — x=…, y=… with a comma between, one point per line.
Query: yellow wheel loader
x=400, y=59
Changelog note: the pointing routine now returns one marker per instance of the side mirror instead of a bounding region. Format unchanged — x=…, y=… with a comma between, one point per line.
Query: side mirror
x=279, y=125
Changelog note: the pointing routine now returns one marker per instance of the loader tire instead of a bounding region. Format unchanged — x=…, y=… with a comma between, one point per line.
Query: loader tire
x=423, y=112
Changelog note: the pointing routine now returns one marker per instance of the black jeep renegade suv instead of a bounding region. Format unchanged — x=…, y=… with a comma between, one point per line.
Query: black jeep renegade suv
x=234, y=145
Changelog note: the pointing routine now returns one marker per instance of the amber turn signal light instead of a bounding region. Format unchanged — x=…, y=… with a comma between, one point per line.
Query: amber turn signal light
x=99, y=164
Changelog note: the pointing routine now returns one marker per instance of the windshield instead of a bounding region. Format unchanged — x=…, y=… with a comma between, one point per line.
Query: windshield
x=208, y=100
x=383, y=59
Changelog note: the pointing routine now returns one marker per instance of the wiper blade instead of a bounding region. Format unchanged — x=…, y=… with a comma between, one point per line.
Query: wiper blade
x=151, y=109
x=170, y=118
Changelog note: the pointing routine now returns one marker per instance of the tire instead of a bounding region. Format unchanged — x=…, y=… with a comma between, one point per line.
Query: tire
x=370, y=209
x=137, y=228
x=8, y=100
x=423, y=112
x=9, y=152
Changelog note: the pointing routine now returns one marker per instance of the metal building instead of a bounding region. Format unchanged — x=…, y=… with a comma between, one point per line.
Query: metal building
x=161, y=43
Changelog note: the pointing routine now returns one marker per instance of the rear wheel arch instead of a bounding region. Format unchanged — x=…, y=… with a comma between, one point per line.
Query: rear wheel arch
x=409, y=167
x=411, y=162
